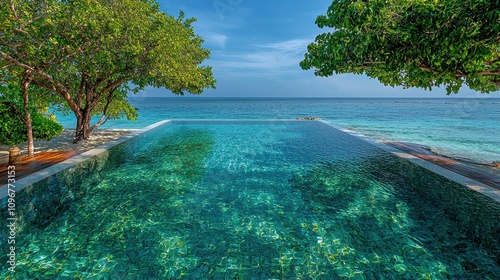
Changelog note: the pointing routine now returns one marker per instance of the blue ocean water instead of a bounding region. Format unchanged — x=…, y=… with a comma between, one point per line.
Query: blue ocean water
x=468, y=127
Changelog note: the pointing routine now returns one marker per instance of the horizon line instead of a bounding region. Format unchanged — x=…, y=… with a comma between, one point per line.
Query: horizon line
x=312, y=97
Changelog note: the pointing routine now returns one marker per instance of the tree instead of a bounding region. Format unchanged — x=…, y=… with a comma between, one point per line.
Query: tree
x=23, y=119
x=13, y=129
x=15, y=79
x=411, y=43
x=19, y=113
x=92, y=52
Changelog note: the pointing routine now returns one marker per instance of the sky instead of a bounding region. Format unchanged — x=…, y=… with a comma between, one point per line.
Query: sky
x=256, y=47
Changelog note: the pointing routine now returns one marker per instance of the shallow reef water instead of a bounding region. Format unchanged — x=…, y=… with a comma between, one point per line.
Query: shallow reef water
x=259, y=200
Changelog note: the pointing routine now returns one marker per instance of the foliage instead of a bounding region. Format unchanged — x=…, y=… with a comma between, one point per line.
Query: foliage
x=115, y=106
x=411, y=43
x=15, y=116
x=13, y=129
x=86, y=51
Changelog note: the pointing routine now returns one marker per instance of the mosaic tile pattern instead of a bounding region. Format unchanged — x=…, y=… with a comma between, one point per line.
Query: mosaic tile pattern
x=236, y=200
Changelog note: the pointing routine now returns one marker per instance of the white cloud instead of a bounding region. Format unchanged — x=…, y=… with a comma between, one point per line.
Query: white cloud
x=294, y=45
x=271, y=58
x=216, y=39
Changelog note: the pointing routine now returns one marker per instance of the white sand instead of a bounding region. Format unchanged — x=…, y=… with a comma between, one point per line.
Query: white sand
x=64, y=142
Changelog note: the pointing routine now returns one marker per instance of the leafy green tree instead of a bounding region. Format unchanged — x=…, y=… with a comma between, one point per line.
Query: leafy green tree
x=16, y=82
x=92, y=52
x=23, y=114
x=13, y=128
x=411, y=43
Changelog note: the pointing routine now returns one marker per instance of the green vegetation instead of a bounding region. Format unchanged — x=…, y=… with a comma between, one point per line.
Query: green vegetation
x=92, y=53
x=24, y=118
x=13, y=130
x=411, y=43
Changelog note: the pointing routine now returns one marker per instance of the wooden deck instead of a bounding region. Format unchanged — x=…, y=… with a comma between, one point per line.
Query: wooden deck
x=34, y=164
x=463, y=169
x=45, y=159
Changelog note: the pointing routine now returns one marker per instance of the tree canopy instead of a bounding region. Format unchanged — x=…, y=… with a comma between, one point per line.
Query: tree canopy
x=92, y=53
x=411, y=43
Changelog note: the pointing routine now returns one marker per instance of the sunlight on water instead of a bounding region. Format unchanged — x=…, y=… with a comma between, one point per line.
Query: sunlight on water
x=463, y=127
x=257, y=200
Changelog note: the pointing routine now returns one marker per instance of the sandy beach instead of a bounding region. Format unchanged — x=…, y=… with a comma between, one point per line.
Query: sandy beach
x=64, y=142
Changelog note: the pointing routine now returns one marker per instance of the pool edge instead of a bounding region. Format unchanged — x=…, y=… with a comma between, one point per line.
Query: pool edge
x=448, y=174
x=56, y=168
x=455, y=177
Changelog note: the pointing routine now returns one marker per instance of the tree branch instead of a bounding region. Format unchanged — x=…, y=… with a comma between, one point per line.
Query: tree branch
x=63, y=92
x=489, y=73
x=104, y=118
x=22, y=25
x=13, y=10
x=110, y=87
x=69, y=55
x=427, y=68
x=15, y=61
x=14, y=109
x=80, y=91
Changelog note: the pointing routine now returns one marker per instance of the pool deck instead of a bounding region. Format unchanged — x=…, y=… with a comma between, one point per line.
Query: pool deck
x=463, y=169
x=44, y=165
x=42, y=160
x=38, y=162
x=51, y=166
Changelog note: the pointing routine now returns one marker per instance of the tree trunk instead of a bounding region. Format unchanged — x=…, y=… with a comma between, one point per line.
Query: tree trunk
x=27, y=115
x=83, y=128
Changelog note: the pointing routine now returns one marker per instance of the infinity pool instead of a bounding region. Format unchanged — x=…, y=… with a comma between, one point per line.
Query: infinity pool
x=253, y=200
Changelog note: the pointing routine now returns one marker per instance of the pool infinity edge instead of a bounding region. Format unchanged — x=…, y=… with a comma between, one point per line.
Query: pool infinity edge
x=450, y=175
x=56, y=168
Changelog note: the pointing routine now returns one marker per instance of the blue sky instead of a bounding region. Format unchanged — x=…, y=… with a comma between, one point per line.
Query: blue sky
x=257, y=46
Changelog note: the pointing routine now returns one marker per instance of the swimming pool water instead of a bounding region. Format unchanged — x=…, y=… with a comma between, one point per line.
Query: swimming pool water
x=456, y=127
x=257, y=200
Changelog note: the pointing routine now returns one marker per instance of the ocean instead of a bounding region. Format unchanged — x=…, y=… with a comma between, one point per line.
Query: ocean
x=466, y=128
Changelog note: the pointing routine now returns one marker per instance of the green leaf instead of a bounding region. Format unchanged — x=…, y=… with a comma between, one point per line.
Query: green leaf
x=410, y=43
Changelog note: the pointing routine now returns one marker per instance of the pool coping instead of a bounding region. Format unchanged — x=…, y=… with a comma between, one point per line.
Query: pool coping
x=448, y=174
x=56, y=168
x=51, y=170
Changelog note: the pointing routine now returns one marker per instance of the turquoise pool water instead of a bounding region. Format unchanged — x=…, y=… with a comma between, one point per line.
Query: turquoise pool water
x=457, y=127
x=254, y=200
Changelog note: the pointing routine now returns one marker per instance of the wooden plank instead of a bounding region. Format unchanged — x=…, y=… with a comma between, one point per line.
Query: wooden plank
x=469, y=171
x=34, y=164
x=43, y=160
